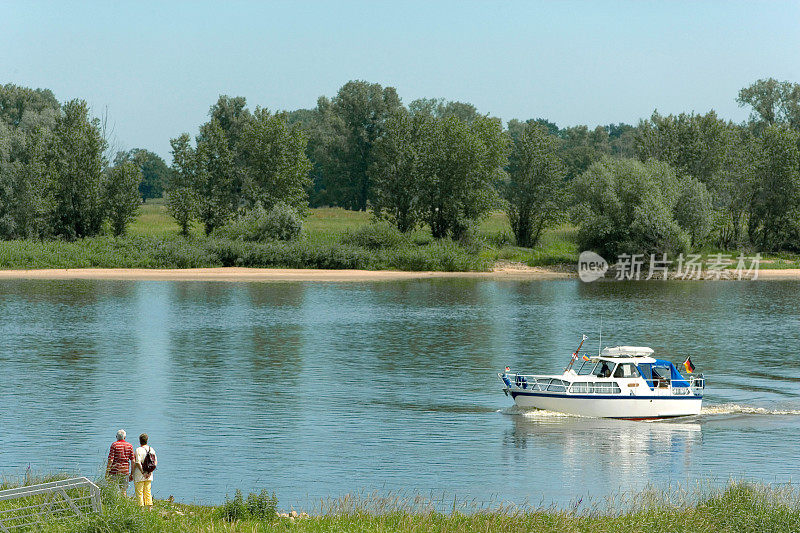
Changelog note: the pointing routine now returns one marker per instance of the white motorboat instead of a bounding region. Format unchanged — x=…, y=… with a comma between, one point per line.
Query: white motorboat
x=619, y=382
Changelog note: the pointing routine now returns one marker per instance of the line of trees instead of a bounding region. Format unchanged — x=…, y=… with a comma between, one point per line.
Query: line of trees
x=54, y=179
x=669, y=183
x=240, y=161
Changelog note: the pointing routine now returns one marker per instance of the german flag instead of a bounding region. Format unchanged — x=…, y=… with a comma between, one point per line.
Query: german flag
x=688, y=365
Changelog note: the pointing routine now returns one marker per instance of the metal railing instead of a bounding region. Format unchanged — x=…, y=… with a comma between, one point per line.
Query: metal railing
x=550, y=384
x=38, y=504
x=533, y=383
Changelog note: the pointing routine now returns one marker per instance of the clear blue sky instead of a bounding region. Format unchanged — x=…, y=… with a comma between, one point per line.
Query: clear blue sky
x=157, y=68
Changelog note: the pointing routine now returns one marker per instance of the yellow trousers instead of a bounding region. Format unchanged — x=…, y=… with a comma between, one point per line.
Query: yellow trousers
x=143, y=493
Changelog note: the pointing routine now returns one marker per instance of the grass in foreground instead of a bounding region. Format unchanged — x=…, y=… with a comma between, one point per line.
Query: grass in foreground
x=739, y=507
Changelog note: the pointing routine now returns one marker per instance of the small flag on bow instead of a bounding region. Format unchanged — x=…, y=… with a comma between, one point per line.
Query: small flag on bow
x=688, y=365
x=585, y=357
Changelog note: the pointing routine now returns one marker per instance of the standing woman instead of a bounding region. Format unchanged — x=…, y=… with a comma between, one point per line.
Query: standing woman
x=143, y=466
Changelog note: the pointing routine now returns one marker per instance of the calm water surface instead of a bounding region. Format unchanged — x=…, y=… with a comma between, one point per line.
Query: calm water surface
x=317, y=390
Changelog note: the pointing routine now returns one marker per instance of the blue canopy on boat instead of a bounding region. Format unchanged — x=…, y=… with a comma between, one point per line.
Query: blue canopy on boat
x=646, y=370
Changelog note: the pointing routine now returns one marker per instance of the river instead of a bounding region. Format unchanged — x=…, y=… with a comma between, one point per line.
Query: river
x=317, y=390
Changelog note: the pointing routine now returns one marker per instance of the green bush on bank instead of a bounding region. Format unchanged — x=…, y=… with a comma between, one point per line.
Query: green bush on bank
x=198, y=252
x=261, y=506
x=281, y=223
x=375, y=236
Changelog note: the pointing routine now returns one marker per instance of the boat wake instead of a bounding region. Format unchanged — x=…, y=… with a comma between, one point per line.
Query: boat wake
x=737, y=409
x=534, y=414
x=706, y=411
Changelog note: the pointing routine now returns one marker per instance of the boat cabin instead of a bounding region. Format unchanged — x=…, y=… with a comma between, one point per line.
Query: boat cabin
x=629, y=362
x=628, y=370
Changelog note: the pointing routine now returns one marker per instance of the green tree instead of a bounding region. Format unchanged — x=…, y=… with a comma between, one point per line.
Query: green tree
x=459, y=164
x=33, y=201
x=232, y=116
x=580, y=147
x=19, y=104
x=180, y=191
x=75, y=160
x=773, y=102
x=775, y=211
x=155, y=171
x=395, y=172
x=217, y=178
x=733, y=188
x=693, y=144
x=27, y=119
x=693, y=210
x=533, y=192
x=121, y=195
x=625, y=206
x=440, y=108
x=516, y=127
x=355, y=119
x=622, y=140
x=276, y=166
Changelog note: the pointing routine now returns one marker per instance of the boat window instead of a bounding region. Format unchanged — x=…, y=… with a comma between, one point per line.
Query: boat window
x=606, y=387
x=604, y=369
x=587, y=368
x=556, y=385
x=584, y=387
x=581, y=387
x=626, y=370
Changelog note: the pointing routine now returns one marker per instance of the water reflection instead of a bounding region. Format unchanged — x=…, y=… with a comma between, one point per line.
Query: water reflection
x=628, y=451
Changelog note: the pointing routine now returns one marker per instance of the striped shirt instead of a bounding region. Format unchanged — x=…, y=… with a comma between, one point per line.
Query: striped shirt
x=118, y=456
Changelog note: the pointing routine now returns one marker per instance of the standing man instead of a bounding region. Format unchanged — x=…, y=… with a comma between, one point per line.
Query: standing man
x=119, y=457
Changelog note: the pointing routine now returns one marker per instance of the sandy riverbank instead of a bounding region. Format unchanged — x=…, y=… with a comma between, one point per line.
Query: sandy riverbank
x=502, y=272
x=274, y=274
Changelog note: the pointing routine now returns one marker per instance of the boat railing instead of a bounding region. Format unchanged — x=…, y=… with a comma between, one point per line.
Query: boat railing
x=697, y=382
x=536, y=383
x=533, y=383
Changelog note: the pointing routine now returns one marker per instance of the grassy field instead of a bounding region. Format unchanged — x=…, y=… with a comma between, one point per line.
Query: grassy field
x=332, y=238
x=739, y=507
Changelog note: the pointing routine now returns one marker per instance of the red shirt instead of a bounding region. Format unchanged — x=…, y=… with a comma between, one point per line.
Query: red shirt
x=118, y=456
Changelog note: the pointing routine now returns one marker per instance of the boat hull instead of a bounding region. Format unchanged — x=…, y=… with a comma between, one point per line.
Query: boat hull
x=632, y=407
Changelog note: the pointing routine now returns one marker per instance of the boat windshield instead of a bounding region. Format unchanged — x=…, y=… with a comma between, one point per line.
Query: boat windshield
x=587, y=368
x=604, y=369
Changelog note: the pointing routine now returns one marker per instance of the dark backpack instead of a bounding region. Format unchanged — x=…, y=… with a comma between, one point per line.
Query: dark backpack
x=149, y=462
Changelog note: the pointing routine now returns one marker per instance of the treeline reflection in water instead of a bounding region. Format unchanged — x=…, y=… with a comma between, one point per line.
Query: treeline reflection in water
x=316, y=390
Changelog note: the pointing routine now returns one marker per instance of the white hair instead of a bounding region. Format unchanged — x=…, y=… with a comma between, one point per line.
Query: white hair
x=121, y=434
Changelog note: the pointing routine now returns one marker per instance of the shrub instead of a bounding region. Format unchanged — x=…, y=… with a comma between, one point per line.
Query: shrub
x=625, y=206
x=282, y=223
x=182, y=254
x=298, y=254
x=502, y=238
x=468, y=237
x=376, y=235
x=257, y=506
x=443, y=255
x=234, y=509
x=262, y=506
